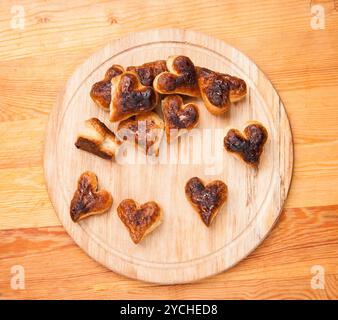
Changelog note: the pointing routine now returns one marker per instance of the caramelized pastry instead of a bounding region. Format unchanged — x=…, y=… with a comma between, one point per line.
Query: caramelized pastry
x=180, y=79
x=101, y=91
x=219, y=90
x=249, y=146
x=145, y=130
x=98, y=139
x=237, y=86
x=215, y=91
x=178, y=116
x=87, y=200
x=208, y=199
x=148, y=71
x=140, y=220
x=130, y=97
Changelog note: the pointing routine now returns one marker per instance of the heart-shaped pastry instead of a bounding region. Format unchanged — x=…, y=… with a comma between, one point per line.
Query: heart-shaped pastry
x=148, y=71
x=208, y=199
x=248, y=146
x=87, y=200
x=98, y=139
x=219, y=90
x=130, y=97
x=140, y=220
x=180, y=79
x=144, y=130
x=101, y=91
x=237, y=86
x=178, y=116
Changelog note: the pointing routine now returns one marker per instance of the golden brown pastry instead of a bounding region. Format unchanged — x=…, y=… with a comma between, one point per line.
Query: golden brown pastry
x=98, y=139
x=101, y=91
x=140, y=220
x=208, y=199
x=180, y=79
x=218, y=90
x=130, y=97
x=237, y=86
x=145, y=130
x=248, y=145
x=215, y=91
x=148, y=71
x=87, y=201
x=178, y=116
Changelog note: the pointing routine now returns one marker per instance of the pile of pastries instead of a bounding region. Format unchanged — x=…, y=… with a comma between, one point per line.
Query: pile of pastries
x=130, y=96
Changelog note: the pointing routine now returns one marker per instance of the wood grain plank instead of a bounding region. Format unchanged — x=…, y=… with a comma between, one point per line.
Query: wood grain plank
x=38, y=80
x=57, y=28
x=279, y=269
x=24, y=201
x=22, y=143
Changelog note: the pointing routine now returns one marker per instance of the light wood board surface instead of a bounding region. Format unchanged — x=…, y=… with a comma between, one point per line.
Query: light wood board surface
x=300, y=62
x=182, y=249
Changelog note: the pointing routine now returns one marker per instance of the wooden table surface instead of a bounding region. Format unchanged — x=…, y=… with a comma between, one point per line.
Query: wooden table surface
x=301, y=62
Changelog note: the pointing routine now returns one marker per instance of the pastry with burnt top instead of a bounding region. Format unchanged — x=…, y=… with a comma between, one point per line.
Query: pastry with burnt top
x=101, y=90
x=238, y=88
x=148, y=71
x=178, y=116
x=249, y=144
x=96, y=138
x=87, y=200
x=208, y=199
x=144, y=130
x=181, y=78
x=130, y=97
x=218, y=90
x=140, y=220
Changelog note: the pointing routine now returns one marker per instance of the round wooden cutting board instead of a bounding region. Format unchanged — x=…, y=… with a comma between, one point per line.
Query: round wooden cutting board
x=182, y=248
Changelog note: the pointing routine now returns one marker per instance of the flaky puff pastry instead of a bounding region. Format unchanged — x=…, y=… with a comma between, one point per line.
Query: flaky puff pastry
x=101, y=90
x=140, y=220
x=130, y=97
x=178, y=116
x=87, y=200
x=181, y=78
x=219, y=90
x=206, y=199
x=96, y=138
x=148, y=71
x=248, y=146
